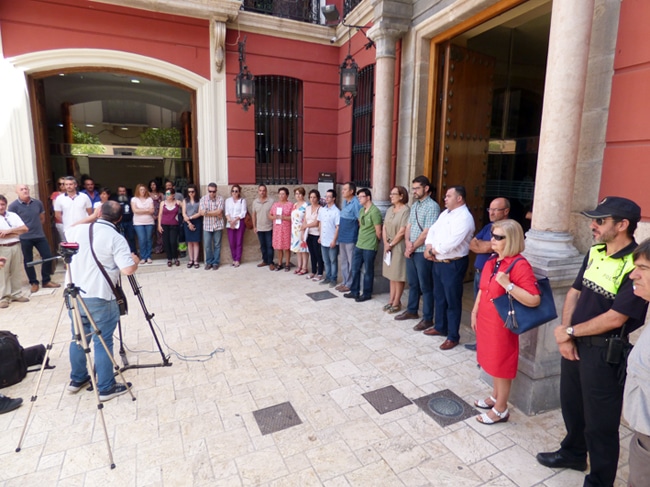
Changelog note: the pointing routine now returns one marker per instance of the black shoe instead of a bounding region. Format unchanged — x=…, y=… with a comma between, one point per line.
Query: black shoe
x=471, y=346
x=351, y=296
x=555, y=459
x=9, y=404
x=117, y=390
x=362, y=298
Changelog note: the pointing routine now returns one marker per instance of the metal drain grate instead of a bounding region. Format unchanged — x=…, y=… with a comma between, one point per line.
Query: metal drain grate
x=386, y=399
x=445, y=407
x=276, y=418
x=321, y=295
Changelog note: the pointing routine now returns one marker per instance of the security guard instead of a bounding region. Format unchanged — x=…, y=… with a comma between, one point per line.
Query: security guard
x=599, y=312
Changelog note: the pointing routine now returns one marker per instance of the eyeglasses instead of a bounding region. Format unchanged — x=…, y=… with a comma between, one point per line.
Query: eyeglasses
x=235, y=191
x=416, y=188
x=394, y=194
x=600, y=221
x=212, y=191
x=489, y=210
x=498, y=238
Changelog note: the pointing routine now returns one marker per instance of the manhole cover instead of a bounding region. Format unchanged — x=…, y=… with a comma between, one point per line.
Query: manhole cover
x=276, y=418
x=445, y=407
x=321, y=295
x=386, y=399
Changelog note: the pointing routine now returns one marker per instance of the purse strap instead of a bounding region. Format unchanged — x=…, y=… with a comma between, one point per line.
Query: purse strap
x=99, y=264
x=507, y=271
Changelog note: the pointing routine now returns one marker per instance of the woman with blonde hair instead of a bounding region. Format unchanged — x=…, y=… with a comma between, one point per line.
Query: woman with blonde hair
x=497, y=347
x=143, y=221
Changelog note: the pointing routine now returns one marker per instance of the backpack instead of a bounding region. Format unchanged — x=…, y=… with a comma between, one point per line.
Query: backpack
x=12, y=363
x=14, y=359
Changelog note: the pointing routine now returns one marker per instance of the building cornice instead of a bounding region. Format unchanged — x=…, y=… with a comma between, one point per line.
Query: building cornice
x=219, y=10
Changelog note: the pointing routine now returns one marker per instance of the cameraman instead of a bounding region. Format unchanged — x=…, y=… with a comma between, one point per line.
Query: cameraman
x=112, y=250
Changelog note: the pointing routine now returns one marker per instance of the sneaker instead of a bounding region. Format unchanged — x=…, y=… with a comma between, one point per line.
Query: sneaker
x=9, y=404
x=117, y=390
x=75, y=387
x=325, y=281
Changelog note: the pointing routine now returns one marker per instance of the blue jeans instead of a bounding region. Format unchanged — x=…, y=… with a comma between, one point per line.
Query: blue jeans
x=448, y=296
x=128, y=230
x=419, y=274
x=144, y=233
x=266, y=246
x=212, y=245
x=106, y=315
x=27, y=246
x=331, y=261
x=365, y=258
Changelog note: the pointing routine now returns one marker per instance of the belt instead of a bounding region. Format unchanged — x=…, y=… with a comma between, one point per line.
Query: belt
x=597, y=341
x=447, y=261
x=10, y=244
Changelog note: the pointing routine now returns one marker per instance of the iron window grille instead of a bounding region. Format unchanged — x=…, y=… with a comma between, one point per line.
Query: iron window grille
x=300, y=10
x=278, y=130
x=349, y=6
x=362, y=116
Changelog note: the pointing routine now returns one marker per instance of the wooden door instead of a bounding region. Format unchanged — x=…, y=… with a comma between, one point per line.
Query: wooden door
x=464, y=126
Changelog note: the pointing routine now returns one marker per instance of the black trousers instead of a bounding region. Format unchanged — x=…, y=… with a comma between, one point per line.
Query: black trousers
x=592, y=399
x=170, y=241
x=317, y=264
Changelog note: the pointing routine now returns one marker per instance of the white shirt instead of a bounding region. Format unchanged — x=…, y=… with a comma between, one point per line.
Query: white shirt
x=636, y=397
x=8, y=221
x=236, y=209
x=451, y=234
x=72, y=209
x=111, y=249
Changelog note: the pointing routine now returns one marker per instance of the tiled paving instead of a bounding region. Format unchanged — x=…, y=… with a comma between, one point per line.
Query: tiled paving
x=193, y=422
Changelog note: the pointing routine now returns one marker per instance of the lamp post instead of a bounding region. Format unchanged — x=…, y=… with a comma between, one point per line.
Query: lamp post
x=244, y=81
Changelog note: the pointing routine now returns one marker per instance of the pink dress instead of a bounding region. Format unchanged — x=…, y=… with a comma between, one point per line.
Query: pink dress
x=282, y=231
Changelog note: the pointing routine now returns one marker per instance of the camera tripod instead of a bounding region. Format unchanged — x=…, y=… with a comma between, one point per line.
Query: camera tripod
x=74, y=303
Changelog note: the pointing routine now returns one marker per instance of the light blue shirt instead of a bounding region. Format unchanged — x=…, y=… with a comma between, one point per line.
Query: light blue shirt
x=329, y=218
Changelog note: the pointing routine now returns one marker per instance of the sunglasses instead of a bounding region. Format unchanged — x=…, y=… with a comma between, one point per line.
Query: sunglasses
x=498, y=238
x=600, y=221
x=212, y=191
x=235, y=191
x=168, y=193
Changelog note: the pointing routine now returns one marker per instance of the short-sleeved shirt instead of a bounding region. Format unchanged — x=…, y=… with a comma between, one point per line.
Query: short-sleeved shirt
x=127, y=213
x=349, y=226
x=450, y=235
x=143, y=218
x=484, y=234
x=211, y=223
x=367, y=236
x=636, y=398
x=94, y=199
x=112, y=251
x=329, y=218
x=30, y=213
x=424, y=213
x=595, y=300
x=72, y=208
x=261, y=210
x=8, y=221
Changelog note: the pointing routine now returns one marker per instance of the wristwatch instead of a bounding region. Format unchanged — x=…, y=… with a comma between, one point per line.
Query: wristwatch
x=510, y=287
x=569, y=331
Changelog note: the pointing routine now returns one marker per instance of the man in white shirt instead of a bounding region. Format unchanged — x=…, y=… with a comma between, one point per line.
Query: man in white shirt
x=447, y=245
x=71, y=206
x=112, y=251
x=11, y=272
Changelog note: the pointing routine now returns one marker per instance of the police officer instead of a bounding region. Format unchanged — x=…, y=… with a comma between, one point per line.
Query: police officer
x=599, y=310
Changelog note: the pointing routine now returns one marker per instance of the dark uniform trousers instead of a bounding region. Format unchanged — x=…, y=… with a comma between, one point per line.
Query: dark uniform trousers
x=592, y=399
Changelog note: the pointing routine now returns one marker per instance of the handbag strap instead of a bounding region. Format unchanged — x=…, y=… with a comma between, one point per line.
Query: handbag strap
x=507, y=271
x=99, y=264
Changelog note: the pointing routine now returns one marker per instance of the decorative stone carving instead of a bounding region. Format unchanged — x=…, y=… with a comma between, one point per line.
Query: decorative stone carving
x=219, y=45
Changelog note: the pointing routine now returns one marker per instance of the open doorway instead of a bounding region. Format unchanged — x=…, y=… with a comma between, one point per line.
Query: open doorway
x=490, y=85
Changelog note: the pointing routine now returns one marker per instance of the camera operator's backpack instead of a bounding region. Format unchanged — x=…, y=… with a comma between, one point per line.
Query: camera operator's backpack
x=14, y=359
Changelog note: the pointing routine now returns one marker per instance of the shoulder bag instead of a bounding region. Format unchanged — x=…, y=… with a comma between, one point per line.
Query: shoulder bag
x=519, y=318
x=120, y=297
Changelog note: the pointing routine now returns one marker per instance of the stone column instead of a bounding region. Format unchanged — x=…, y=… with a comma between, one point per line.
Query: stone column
x=385, y=42
x=549, y=245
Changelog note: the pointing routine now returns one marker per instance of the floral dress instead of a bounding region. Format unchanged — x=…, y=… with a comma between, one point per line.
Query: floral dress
x=297, y=218
x=282, y=231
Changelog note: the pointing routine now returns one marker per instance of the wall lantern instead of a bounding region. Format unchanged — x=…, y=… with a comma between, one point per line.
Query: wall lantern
x=244, y=81
x=349, y=69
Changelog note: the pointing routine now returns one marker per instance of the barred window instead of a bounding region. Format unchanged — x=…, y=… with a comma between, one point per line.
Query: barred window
x=278, y=130
x=362, y=127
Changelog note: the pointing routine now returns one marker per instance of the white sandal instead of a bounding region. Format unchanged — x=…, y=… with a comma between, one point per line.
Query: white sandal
x=483, y=405
x=485, y=419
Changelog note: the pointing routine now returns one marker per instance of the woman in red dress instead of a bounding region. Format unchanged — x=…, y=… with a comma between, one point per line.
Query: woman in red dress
x=497, y=347
x=280, y=215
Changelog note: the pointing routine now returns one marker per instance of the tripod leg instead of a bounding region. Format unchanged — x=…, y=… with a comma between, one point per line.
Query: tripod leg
x=98, y=333
x=48, y=348
x=81, y=336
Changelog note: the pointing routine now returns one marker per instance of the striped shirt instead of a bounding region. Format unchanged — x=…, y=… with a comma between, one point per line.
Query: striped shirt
x=211, y=223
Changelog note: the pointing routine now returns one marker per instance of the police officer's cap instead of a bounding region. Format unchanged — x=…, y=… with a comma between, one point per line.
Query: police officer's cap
x=615, y=206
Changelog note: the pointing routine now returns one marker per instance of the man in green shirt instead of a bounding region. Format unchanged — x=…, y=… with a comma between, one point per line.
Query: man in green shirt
x=366, y=249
